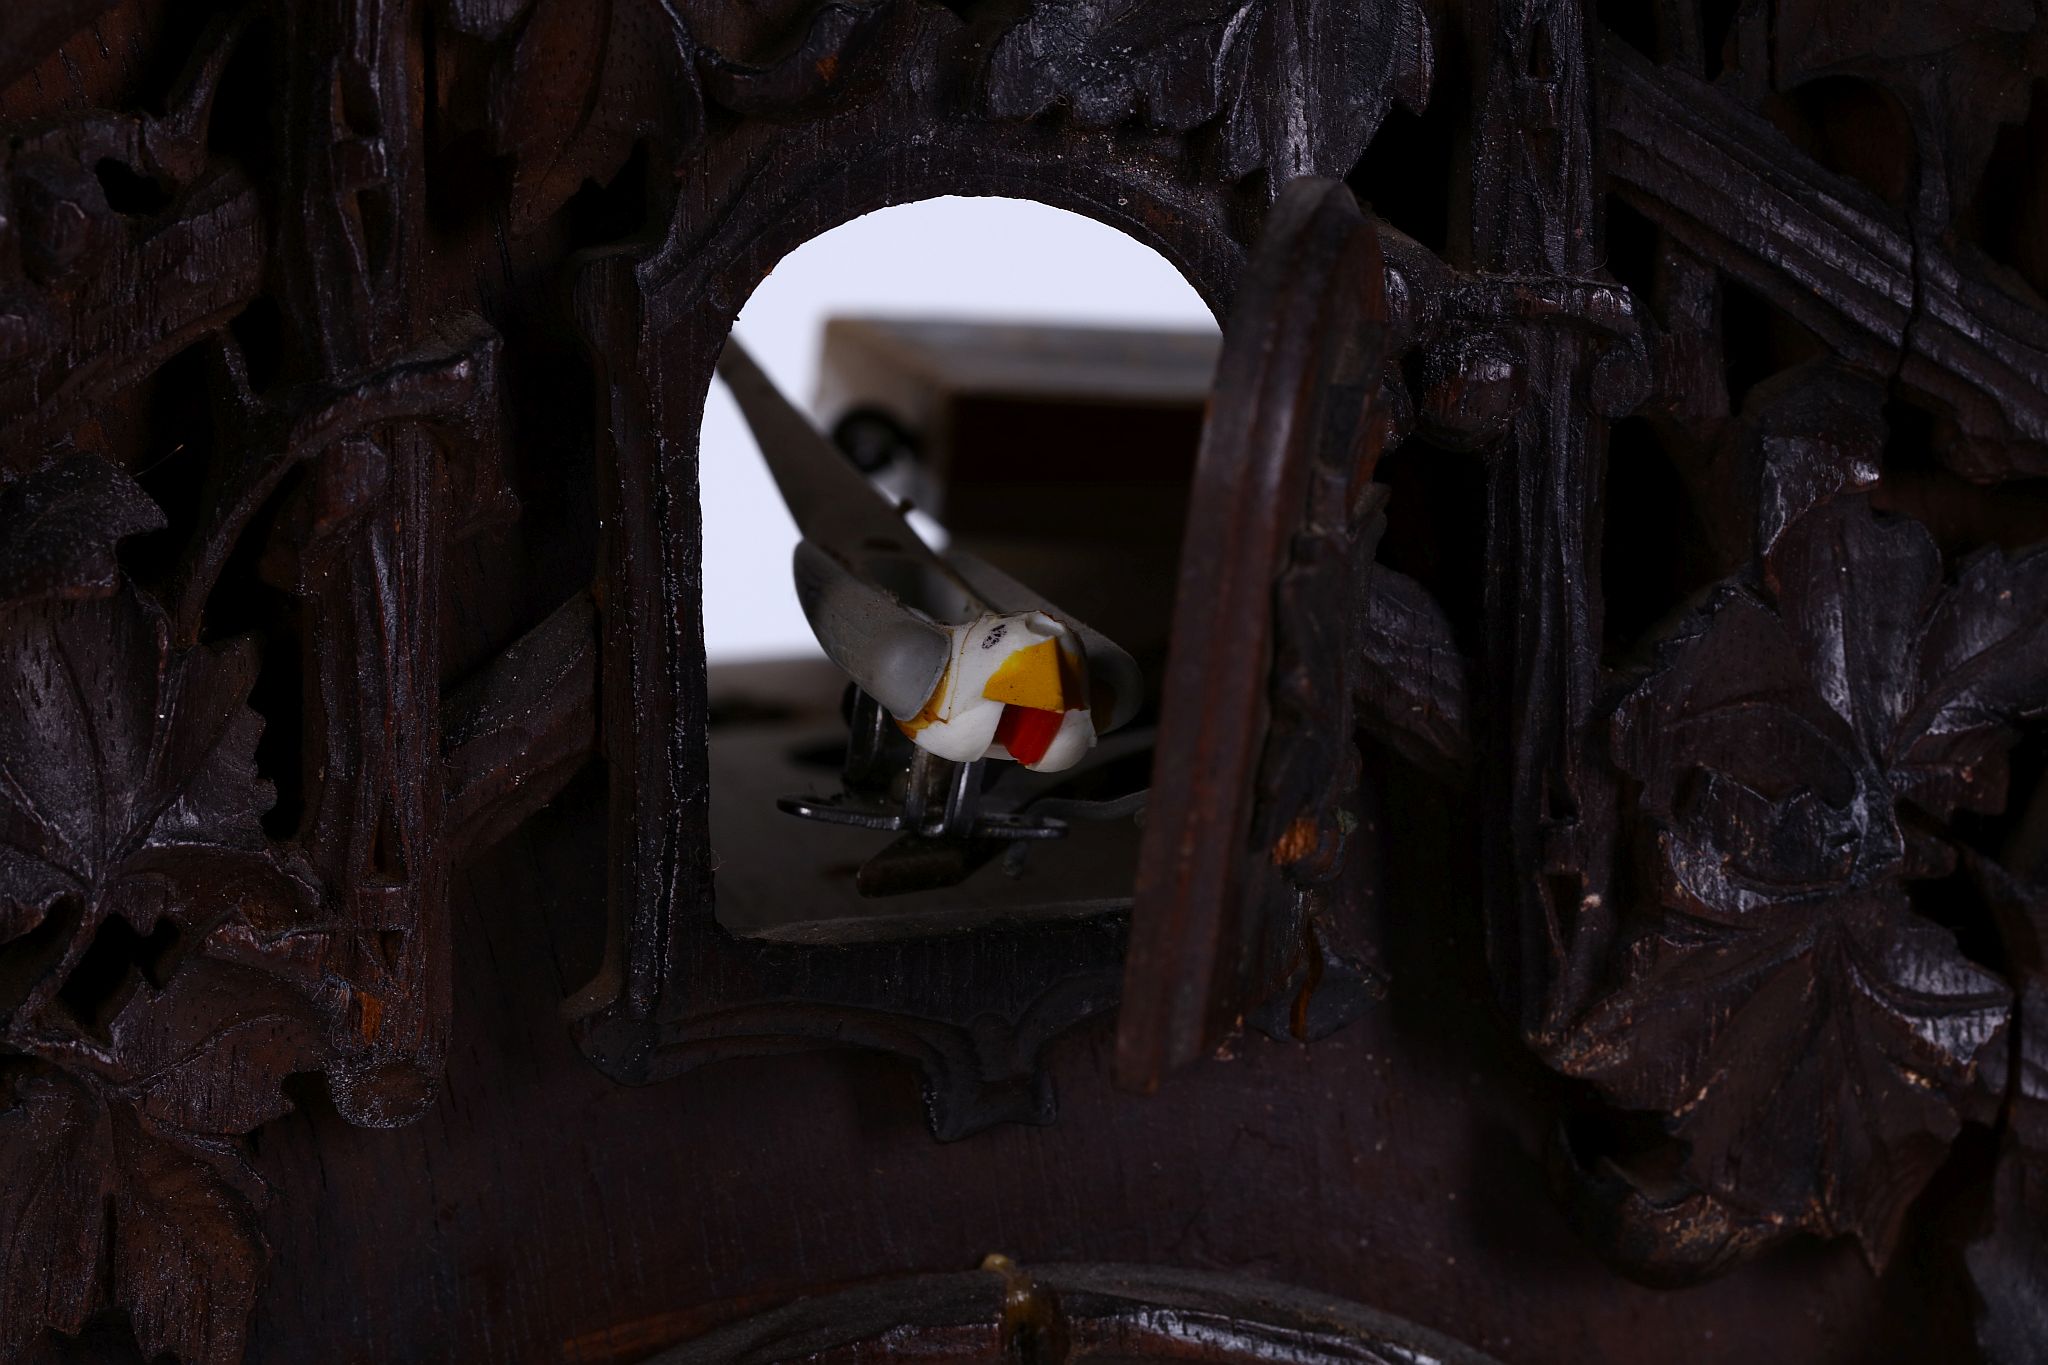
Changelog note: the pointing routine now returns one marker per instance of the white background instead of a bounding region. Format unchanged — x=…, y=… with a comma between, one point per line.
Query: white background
x=1000, y=259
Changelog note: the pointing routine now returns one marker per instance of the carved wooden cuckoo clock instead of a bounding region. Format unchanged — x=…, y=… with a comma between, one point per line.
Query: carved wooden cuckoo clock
x=1502, y=820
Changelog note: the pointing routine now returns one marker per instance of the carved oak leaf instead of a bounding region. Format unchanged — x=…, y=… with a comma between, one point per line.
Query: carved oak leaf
x=572, y=86
x=58, y=528
x=1813, y=1061
x=1792, y=1020
x=188, y=1253
x=120, y=1153
x=1176, y=67
x=56, y=1146
x=1930, y=677
x=194, y=1067
x=128, y=780
x=128, y=790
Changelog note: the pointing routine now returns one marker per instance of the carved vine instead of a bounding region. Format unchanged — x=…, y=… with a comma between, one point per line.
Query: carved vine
x=166, y=964
x=1707, y=869
x=1706, y=873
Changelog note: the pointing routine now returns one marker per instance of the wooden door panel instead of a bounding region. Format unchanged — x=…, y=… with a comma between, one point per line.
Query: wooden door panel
x=1249, y=818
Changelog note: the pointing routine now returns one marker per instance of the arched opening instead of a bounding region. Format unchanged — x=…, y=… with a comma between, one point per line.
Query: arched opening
x=1032, y=383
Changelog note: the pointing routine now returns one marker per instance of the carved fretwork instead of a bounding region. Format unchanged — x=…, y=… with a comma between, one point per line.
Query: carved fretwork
x=176, y=948
x=352, y=355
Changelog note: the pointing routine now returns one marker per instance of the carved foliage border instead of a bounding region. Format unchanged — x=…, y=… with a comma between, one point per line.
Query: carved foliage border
x=168, y=962
x=1703, y=864
x=331, y=950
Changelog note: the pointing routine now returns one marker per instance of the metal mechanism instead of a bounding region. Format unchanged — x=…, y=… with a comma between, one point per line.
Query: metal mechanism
x=940, y=799
x=928, y=640
x=970, y=662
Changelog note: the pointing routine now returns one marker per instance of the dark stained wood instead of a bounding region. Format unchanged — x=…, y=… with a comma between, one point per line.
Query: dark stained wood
x=678, y=1206
x=1600, y=834
x=1256, y=688
x=1832, y=254
x=1533, y=214
x=518, y=731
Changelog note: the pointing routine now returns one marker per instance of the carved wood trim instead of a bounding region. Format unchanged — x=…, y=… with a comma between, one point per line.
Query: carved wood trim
x=251, y=413
x=1071, y=1313
x=1225, y=891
